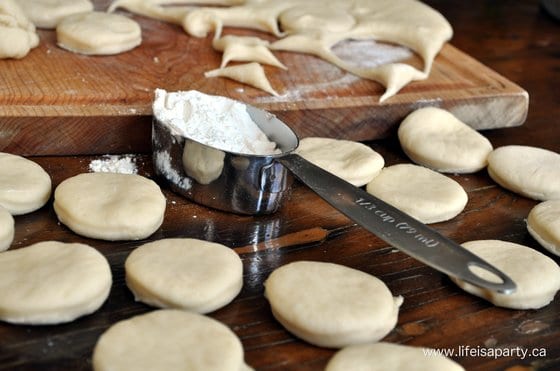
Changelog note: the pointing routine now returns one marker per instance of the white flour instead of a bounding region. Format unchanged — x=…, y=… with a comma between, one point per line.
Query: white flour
x=114, y=164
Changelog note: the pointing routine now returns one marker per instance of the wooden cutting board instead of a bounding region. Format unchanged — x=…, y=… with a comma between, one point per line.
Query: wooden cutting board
x=54, y=102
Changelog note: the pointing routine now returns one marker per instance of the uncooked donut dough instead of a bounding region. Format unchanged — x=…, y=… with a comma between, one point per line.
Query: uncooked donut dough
x=17, y=33
x=420, y=192
x=6, y=229
x=98, y=33
x=24, y=185
x=331, y=305
x=245, y=49
x=248, y=73
x=543, y=223
x=110, y=206
x=52, y=282
x=434, y=138
x=536, y=275
x=170, y=340
x=529, y=171
x=47, y=13
x=354, y=162
x=184, y=273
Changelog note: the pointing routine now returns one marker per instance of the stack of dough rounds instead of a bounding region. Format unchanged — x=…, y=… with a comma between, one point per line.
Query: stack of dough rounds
x=529, y=171
x=434, y=138
x=536, y=275
x=24, y=185
x=185, y=274
x=354, y=162
x=543, y=223
x=17, y=33
x=331, y=305
x=52, y=282
x=6, y=229
x=48, y=13
x=170, y=340
x=420, y=192
x=110, y=206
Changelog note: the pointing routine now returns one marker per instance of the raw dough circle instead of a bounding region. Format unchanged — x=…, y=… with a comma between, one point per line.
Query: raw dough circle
x=110, y=206
x=52, y=282
x=543, y=223
x=435, y=138
x=536, y=275
x=354, y=162
x=24, y=185
x=529, y=171
x=420, y=192
x=168, y=339
x=331, y=305
x=384, y=356
x=48, y=13
x=98, y=33
x=184, y=273
x=6, y=229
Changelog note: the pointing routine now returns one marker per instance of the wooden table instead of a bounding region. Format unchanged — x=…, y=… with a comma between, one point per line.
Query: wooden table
x=517, y=39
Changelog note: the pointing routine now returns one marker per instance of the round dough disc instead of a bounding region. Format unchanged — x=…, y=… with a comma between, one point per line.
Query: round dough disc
x=331, y=305
x=6, y=229
x=110, y=206
x=536, y=275
x=24, y=185
x=543, y=223
x=52, y=282
x=184, y=273
x=98, y=33
x=354, y=162
x=168, y=339
x=434, y=138
x=48, y=13
x=529, y=171
x=420, y=192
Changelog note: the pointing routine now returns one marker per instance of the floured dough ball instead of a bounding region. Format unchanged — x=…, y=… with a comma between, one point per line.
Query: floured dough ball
x=52, y=282
x=434, y=138
x=543, y=223
x=420, y=192
x=48, y=13
x=110, y=206
x=6, y=229
x=184, y=273
x=17, y=33
x=354, y=162
x=24, y=185
x=390, y=357
x=170, y=340
x=331, y=305
x=529, y=171
x=98, y=33
x=536, y=275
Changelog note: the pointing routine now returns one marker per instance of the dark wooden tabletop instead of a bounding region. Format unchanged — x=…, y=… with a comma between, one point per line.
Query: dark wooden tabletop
x=515, y=38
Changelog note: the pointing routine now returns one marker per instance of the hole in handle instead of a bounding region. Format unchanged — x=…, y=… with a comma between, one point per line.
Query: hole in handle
x=487, y=276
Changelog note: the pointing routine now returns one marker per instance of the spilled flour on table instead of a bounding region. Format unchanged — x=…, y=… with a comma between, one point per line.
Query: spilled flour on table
x=125, y=164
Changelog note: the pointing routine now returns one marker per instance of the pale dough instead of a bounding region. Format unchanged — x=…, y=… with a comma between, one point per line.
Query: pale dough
x=354, y=162
x=536, y=275
x=110, y=206
x=384, y=356
x=245, y=49
x=52, y=282
x=529, y=171
x=170, y=340
x=48, y=13
x=24, y=185
x=17, y=33
x=6, y=229
x=249, y=73
x=543, y=223
x=184, y=273
x=98, y=33
x=434, y=138
x=422, y=193
x=331, y=305
x=202, y=163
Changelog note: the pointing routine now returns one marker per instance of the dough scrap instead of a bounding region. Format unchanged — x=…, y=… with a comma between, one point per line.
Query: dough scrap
x=245, y=49
x=354, y=162
x=249, y=73
x=536, y=275
x=6, y=229
x=17, y=33
x=331, y=305
x=543, y=223
x=420, y=192
x=48, y=13
x=110, y=206
x=529, y=171
x=24, y=185
x=434, y=138
x=52, y=282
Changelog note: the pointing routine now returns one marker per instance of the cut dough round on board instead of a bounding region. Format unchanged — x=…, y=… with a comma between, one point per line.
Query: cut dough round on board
x=434, y=138
x=24, y=185
x=331, y=305
x=529, y=171
x=48, y=13
x=171, y=340
x=52, y=282
x=17, y=33
x=354, y=162
x=420, y=192
x=536, y=275
x=184, y=273
x=110, y=206
x=6, y=229
x=543, y=223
